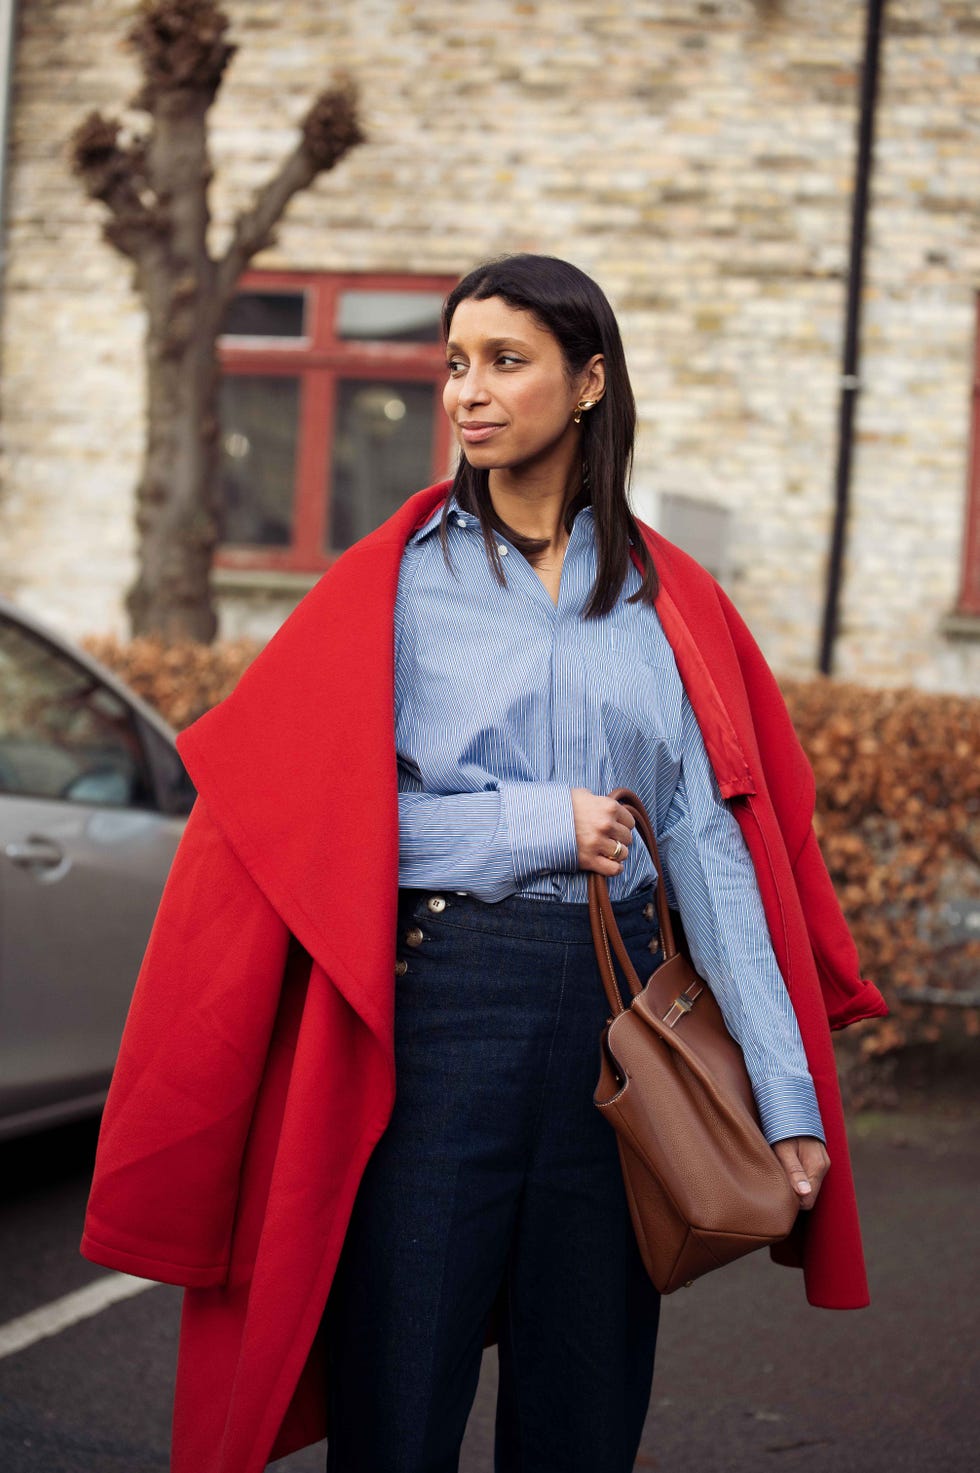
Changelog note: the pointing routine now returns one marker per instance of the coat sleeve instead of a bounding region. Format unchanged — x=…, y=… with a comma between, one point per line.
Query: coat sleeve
x=165, y=1189
x=848, y=996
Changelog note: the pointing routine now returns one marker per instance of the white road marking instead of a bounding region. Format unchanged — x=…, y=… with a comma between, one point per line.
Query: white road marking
x=52, y=1318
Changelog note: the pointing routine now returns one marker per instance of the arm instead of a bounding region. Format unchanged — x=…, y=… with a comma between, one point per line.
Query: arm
x=714, y=883
x=488, y=842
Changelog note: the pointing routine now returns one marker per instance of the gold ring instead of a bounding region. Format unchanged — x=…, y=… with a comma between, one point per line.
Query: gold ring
x=618, y=849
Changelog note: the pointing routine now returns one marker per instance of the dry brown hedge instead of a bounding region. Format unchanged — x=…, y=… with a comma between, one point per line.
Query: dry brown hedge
x=898, y=817
x=181, y=680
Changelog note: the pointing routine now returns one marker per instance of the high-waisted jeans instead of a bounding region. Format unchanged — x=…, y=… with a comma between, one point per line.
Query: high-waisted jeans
x=496, y=1182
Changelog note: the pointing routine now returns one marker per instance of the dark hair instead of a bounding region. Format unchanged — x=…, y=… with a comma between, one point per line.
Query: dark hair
x=569, y=305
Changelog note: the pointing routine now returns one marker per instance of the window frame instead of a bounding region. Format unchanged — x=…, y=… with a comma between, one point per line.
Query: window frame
x=968, y=601
x=92, y=682
x=318, y=360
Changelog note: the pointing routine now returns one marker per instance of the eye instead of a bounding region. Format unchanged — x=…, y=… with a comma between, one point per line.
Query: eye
x=510, y=360
x=455, y=366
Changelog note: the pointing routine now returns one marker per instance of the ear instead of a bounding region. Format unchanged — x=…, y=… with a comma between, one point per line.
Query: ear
x=593, y=379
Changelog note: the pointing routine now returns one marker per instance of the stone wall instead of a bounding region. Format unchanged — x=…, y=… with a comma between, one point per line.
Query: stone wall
x=696, y=158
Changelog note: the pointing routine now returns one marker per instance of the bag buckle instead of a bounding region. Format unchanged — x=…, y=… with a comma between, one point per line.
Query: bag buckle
x=683, y=1003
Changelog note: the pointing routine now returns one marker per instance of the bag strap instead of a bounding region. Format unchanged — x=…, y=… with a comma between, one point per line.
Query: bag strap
x=605, y=930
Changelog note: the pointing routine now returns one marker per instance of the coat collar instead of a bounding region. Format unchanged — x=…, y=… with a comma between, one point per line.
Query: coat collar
x=297, y=766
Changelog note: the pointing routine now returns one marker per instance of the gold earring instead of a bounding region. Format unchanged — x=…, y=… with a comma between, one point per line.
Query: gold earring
x=580, y=408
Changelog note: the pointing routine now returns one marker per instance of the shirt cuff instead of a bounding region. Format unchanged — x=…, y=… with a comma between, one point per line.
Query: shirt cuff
x=787, y=1107
x=540, y=825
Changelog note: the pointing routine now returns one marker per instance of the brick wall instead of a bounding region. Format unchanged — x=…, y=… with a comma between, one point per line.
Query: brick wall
x=696, y=158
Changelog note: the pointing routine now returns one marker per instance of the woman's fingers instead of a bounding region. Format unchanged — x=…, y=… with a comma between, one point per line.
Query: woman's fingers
x=805, y=1162
x=603, y=832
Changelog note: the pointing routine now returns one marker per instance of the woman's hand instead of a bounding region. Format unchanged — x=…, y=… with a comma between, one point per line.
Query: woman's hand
x=601, y=824
x=805, y=1162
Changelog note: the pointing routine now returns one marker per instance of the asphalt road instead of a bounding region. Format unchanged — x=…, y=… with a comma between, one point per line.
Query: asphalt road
x=748, y=1378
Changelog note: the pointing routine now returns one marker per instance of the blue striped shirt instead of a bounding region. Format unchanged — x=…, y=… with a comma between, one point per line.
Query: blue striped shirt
x=505, y=701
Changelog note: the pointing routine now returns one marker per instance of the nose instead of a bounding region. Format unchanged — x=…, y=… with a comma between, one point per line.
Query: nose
x=471, y=387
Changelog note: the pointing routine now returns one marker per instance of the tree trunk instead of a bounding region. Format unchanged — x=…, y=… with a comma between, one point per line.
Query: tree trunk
x=157, y=193
x=177, y=497
x=177, y=511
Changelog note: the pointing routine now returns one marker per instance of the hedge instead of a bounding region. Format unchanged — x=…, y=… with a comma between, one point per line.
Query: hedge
x=898, y=818
x=181, y=680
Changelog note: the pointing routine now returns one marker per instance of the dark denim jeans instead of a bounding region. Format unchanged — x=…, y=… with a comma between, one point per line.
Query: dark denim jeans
x=496, y=1173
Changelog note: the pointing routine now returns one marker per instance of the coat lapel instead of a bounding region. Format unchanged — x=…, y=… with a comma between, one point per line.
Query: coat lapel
x=297, y=767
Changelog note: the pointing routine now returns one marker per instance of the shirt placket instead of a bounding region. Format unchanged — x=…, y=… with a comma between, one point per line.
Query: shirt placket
x=571, y=727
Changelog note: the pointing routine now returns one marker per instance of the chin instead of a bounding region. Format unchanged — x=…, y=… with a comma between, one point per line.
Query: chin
x=483, y=460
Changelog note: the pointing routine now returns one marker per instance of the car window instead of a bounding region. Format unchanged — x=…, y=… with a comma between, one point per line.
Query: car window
x=63, y=734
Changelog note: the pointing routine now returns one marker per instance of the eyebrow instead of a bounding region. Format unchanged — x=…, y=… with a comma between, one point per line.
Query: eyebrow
x=494, y=344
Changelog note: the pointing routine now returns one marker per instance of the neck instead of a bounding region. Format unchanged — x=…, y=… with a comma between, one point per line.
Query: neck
x=534, y=505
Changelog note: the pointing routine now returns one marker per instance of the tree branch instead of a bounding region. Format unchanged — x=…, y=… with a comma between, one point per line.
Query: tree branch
x=181, y=46
x=117, y=176
x=330, y=129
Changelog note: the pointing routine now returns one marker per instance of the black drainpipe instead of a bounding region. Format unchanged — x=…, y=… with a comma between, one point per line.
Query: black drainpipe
x=850, y=382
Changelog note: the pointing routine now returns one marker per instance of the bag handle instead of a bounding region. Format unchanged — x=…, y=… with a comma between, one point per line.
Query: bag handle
x=605, y=930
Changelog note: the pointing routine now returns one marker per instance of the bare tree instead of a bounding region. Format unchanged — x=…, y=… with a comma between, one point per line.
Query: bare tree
x=156, y=188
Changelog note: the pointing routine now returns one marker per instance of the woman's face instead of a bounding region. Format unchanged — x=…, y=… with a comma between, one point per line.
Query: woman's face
x=508, y=395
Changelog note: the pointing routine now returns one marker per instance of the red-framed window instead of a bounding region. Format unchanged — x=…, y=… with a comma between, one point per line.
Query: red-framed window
x=969, y=599
x=331, y=411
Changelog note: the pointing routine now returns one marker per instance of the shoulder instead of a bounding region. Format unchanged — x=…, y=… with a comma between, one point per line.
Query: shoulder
x=399, y=533
x=338, y=631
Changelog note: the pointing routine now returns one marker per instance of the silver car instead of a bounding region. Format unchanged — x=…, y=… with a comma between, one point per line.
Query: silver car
x=93, y=799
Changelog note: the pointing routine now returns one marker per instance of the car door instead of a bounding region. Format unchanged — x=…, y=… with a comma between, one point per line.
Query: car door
x=84, y=852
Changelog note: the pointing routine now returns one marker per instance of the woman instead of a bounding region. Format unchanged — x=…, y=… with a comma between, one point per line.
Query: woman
x=450, y=792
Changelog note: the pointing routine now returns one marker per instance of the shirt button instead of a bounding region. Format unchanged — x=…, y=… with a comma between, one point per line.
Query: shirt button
x=414, y=937
x=401, y=967
x=436, y=904
x=503, y=549
x=462, y=522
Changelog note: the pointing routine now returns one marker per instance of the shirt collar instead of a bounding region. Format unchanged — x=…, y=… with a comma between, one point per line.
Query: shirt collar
x=468, y=520
x=432, y=524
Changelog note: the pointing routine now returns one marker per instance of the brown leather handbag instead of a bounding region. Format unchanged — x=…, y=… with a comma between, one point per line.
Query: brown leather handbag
x=704, y=1186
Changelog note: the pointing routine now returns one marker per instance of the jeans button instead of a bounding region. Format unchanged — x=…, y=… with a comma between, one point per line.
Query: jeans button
x=401, y=967
x=436, y=904
x=414, y=937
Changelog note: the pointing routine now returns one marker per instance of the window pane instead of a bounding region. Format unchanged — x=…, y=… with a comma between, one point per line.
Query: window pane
x=396, y=317
x=259, y=419
x=63, y=734
x=382, y=452
x=266, y=315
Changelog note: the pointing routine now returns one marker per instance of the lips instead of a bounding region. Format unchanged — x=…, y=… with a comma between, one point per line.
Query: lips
x=475, y=431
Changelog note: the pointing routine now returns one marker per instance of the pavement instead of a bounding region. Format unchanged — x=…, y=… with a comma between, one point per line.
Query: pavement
x=748, y=1377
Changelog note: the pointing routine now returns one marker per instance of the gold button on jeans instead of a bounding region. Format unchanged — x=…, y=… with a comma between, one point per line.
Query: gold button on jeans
x=414, y=937
x=401, y=967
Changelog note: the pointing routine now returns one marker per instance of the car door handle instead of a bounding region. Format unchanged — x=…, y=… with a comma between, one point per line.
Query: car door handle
x=37, y=853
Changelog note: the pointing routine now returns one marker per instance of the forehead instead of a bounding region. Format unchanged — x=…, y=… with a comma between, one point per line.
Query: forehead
x=495, y=320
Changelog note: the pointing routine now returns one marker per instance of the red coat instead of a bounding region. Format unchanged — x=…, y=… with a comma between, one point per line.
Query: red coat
x=256, y=1071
